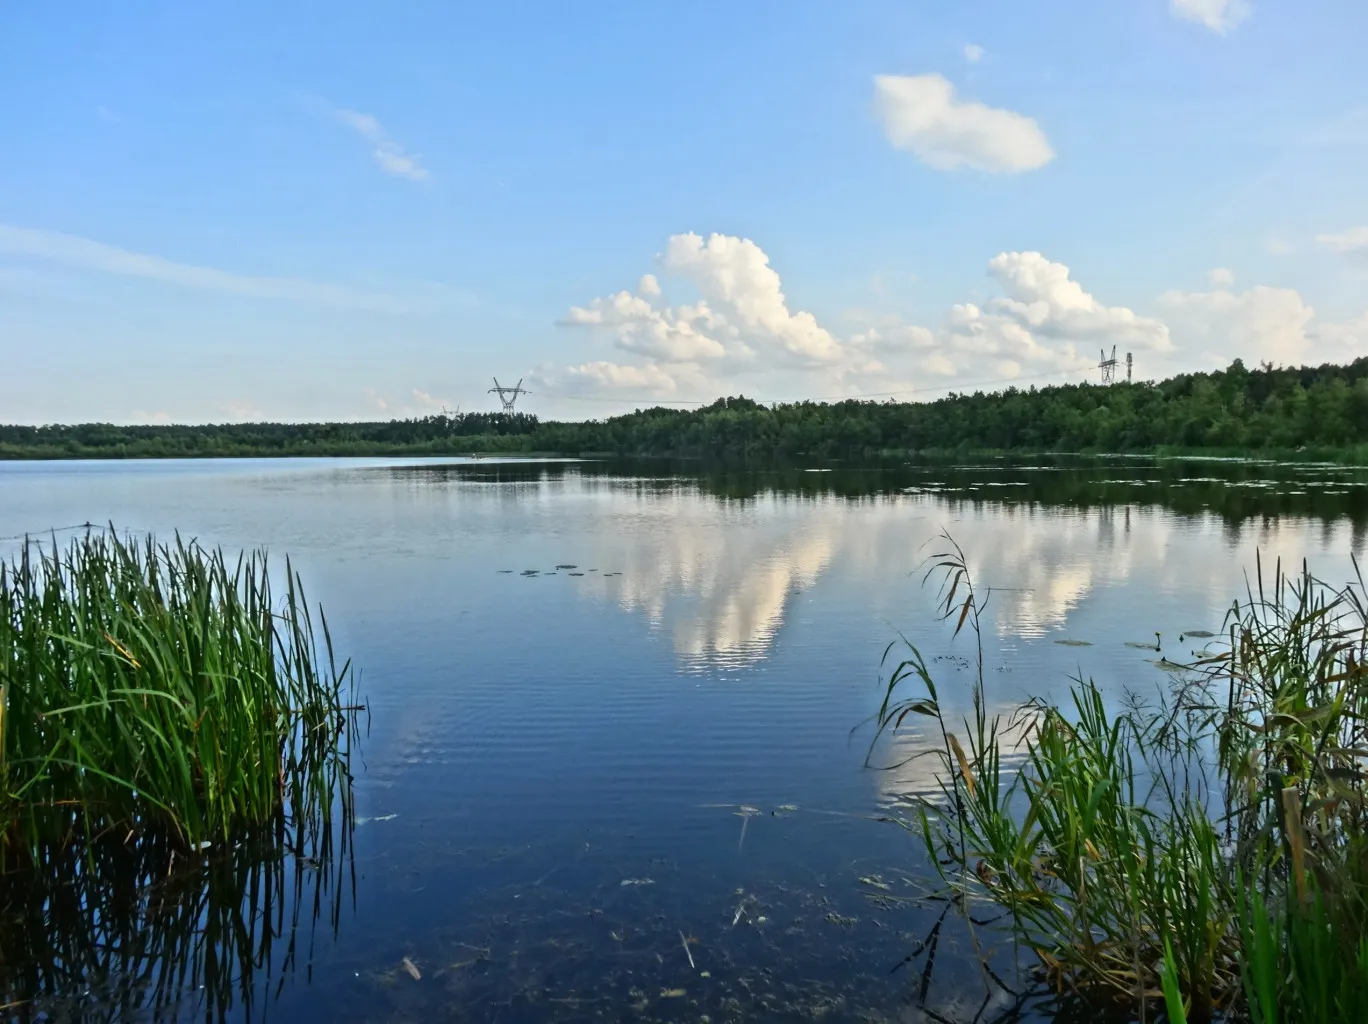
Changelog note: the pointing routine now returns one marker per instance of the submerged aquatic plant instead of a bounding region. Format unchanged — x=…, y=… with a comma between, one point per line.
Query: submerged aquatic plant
x=1209, y=851
x=160, y=691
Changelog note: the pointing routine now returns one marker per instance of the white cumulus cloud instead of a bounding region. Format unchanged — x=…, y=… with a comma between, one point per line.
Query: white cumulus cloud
x=923, y=114
x=604, y=375
x=1002, y=343
x=739, y=332
x=741, y=325
x=1344, y=341
x=1220, y=16
x=734, y=275
x=1262, y=324
x=742, y=315
x=894, y=338
x=1043, y=298
x=670, y=334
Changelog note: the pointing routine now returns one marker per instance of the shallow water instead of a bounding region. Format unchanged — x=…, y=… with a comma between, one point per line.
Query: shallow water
x=610, y=770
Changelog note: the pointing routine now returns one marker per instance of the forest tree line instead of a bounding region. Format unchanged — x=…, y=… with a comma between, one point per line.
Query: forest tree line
x=1236, y=409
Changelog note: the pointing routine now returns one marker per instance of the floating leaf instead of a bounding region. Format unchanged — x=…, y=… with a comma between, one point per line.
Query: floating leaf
x=413, y=971
x=1074, y=643
x=1164, y=665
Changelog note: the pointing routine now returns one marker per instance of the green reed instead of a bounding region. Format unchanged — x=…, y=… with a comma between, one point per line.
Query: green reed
x=161, y=691
x=1207, y=851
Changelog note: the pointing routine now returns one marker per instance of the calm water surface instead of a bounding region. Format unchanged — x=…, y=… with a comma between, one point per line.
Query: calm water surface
x=611, y=711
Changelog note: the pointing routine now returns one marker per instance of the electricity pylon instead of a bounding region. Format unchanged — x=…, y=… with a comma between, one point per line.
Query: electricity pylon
x=508, y=396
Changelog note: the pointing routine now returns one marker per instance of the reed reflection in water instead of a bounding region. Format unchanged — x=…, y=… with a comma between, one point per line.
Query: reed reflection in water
x=108, y=931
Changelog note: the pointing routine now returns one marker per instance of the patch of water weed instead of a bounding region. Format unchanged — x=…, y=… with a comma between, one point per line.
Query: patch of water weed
x=1207, y=849
x=1173, y=667
x=1156, y=646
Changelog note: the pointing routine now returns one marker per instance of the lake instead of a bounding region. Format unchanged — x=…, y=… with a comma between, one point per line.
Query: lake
x=614, y=761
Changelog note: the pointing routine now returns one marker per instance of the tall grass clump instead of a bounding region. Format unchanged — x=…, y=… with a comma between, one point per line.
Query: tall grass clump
x=161, y=691
x=1206, y=851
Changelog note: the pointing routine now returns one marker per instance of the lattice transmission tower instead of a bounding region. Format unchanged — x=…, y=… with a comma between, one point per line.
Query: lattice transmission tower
x=1108, y=367
x=508, y=396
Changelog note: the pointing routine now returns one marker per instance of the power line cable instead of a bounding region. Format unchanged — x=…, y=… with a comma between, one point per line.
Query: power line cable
x=52, y=529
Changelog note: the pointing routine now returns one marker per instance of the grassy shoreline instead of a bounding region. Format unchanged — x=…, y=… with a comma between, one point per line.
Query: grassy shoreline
x=1204, y=850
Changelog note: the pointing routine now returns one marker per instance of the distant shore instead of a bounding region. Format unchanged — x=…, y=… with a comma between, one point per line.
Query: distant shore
x=1349, y=455
x=1308, y=412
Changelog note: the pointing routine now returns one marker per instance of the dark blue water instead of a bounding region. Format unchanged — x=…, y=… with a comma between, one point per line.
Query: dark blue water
x=577, y=780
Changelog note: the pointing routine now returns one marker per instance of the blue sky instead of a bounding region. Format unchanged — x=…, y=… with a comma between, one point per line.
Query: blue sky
x=242, y=210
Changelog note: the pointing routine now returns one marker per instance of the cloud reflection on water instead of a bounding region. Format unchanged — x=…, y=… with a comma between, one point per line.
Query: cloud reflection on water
x=720, y=581
x=719, y=574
